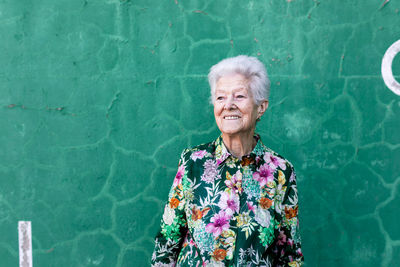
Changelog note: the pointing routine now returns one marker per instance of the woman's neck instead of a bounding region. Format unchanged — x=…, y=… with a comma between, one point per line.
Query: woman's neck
x=239, y=145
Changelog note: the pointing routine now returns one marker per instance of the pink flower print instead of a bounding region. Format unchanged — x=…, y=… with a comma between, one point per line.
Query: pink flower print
x=229, y=202
x=198, y=155
x=264, y=175
x=219, y=223
x=275, y=161
x=210, y=171
x=298, y=252
x=251, y=207
x=234, y=182
x=281, y=238
x=179, y=175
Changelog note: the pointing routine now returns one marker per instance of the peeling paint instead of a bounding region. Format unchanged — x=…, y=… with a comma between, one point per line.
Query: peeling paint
x=384, y=4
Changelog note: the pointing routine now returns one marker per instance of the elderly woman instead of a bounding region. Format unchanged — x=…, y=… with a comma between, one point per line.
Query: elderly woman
x=233, y=201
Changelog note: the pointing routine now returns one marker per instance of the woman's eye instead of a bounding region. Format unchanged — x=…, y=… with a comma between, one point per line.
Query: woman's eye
x=219, y=98
x=240, y=96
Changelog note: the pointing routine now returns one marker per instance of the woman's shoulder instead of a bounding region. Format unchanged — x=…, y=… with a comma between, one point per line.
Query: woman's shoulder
x=199, y=151
x=268, y=152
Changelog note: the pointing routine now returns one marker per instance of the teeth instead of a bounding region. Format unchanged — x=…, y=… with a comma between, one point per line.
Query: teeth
x=231, y=117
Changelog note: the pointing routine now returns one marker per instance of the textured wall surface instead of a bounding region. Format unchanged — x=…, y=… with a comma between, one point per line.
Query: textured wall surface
x=99, y=97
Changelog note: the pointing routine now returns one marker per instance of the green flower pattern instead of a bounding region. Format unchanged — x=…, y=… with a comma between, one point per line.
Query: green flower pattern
x=225, y=211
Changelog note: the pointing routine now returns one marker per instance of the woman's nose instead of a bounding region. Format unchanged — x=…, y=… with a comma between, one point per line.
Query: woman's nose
x=229, y=104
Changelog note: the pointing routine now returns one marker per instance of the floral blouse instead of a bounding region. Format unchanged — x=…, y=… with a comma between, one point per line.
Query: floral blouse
x=224, y=211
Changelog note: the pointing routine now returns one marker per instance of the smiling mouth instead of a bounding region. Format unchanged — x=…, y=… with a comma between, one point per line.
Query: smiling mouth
x=231, y=117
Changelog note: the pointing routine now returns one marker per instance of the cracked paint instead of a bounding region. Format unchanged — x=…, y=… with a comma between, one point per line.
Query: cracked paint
x=98, y=99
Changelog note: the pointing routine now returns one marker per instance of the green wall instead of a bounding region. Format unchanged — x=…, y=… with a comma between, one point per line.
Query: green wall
x=99, y=97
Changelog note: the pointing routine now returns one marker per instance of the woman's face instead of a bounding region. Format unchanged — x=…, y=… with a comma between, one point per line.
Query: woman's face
x=234, y=108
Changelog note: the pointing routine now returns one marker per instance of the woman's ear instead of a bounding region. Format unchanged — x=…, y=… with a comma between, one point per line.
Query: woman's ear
x=262, y=108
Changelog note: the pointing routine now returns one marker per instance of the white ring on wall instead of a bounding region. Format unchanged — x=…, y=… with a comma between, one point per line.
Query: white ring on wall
x=386, y=68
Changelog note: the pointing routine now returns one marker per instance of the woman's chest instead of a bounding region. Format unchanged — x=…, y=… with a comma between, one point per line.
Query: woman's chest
x=227, y=203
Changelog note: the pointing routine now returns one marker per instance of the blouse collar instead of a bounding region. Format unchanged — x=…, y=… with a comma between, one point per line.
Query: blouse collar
x=222, y=153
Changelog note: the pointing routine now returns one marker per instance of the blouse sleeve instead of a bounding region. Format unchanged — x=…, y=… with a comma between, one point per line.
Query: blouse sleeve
x=169, y=238
x=288, y=243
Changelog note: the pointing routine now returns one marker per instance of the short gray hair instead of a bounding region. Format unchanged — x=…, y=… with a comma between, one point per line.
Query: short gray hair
x=250, y=67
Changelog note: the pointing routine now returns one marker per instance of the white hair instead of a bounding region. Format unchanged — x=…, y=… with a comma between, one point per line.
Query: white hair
x=250, y=67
